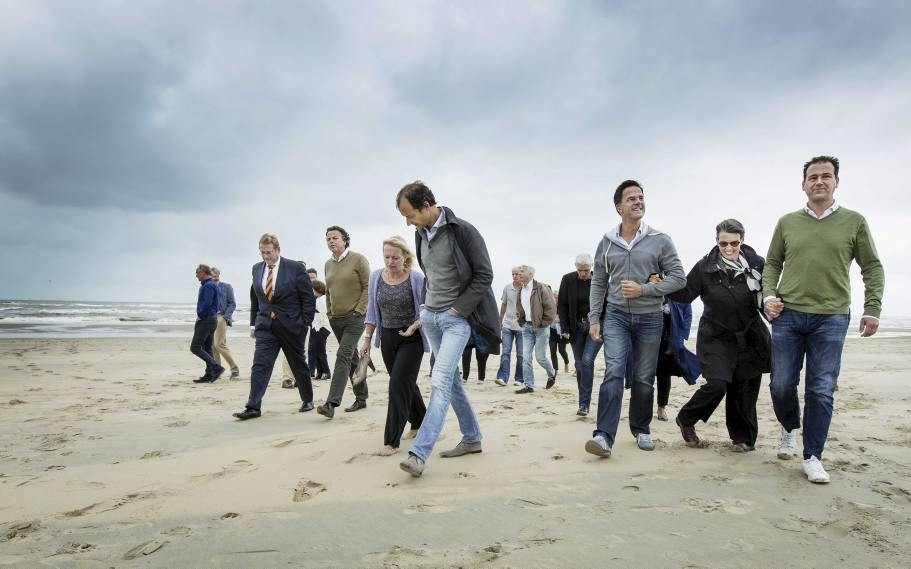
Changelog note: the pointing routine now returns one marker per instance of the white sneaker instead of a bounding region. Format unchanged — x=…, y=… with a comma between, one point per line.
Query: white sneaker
x=517, y=383
x=787, y=444
x=500, y=382
x=816, y=474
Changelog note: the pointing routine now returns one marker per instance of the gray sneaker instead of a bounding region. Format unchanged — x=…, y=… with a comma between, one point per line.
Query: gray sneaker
x=598, y=446
x=461, y=449
x=645, y=442
x=413, y=465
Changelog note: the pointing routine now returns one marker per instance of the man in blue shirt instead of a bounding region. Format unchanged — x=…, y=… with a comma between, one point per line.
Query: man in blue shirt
x=206, y=322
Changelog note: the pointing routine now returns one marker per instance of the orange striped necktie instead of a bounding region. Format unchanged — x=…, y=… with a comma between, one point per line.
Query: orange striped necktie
x=268, y=288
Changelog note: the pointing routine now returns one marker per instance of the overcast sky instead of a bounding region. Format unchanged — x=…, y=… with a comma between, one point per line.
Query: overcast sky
x=138, y=139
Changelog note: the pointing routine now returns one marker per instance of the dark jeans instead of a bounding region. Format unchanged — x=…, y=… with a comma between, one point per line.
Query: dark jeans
x=316, y=350
x=585, y=350
x=268, y=343
x=739, y=406
x=347, y=330
x=628, y=336
x=201, y=344
x=510, y=337
x=821, y=338
x=466, y=362
x=402, y=356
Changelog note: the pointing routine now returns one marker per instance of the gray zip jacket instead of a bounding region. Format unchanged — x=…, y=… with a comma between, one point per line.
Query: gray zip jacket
x=654, y=252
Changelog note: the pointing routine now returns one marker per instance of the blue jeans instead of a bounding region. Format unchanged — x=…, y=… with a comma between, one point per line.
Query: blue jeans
x=508, y=337
x=535, y=342
x=628, y=339
x=819, y=337
x=585, y=350
x=448, y=336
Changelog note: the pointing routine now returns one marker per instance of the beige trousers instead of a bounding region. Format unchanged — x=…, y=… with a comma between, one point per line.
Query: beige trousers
x=220, y=344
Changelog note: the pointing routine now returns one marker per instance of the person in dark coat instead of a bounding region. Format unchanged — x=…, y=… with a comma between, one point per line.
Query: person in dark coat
x=733, y=343
x=673, y=357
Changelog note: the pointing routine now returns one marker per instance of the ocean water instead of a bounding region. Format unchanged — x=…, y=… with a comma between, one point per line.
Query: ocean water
x=66, y=319
x=86, y=319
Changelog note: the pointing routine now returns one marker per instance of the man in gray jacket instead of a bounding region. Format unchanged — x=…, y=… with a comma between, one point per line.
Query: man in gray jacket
x=226, y=306
x=630, y=325
x=458, y=304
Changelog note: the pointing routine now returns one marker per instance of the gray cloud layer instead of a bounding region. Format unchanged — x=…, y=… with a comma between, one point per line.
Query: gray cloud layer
x=162, y=133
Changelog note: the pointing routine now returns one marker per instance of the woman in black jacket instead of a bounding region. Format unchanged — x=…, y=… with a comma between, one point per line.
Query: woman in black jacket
x=733, y=343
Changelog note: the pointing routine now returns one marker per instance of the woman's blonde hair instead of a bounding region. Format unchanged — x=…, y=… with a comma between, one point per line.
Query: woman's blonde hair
x=399, y=243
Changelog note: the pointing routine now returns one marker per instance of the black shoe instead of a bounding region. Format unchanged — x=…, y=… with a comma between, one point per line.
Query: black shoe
x=551, y=381
x=247, y=414
x=218, y=373
x=204, y=379
x=525, y=390
x=356, y=406
x=582, y=412
x=207, y=376
x=326, y=410
x=308, y=406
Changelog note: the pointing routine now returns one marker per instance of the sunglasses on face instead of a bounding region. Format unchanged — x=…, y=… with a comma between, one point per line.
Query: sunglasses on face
x=726, y=244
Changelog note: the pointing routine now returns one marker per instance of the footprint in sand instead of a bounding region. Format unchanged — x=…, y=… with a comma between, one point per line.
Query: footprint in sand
x=430, y=508
x=895, y=493
x=230, y=516
x=228, y=470
x=307, y=489
x=359, y=457
x=720, y=506
x=20, y=529
x=146, y=548
x=72, y=547
x=153, y=454
x=178, y=531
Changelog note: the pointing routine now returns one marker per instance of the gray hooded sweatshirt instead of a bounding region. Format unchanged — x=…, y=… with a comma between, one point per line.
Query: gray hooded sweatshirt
x=615, y=261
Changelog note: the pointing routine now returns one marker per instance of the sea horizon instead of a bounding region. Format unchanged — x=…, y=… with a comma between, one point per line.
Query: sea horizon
x=54, y=318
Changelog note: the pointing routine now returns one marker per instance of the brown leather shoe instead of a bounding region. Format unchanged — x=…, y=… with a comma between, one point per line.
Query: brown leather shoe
x=688, y=432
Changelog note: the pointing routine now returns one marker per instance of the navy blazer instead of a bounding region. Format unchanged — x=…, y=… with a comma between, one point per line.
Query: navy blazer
x=293, y=302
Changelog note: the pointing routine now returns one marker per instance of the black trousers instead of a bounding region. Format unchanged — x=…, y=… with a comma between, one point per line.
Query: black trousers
x=481, y=359
x=739, y=407
x=558, y=343
x=316, y=352
x=402, y=356
x=201, y=344
x=268, y=343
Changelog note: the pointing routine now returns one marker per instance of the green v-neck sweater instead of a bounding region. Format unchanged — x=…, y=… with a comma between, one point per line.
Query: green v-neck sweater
x=809, y=262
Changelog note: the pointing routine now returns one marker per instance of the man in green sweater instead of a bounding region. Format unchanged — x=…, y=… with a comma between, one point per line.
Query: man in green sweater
x=347, y=274
x=807, y=292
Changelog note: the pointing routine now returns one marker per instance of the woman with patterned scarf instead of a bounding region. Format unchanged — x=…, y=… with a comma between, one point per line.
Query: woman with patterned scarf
x=733, y=343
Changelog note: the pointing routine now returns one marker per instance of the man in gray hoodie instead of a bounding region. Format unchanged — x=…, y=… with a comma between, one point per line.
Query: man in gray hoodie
x=626, y=315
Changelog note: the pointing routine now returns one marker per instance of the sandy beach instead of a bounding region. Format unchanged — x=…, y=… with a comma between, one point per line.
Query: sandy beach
x=111, y=457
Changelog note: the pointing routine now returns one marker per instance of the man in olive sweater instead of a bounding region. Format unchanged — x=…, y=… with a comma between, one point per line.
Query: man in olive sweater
x=807, y=292
x=347, y=274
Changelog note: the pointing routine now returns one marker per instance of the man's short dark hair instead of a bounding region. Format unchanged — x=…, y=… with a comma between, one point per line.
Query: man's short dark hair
x=204, y=269
x=820, y=160
x=341, y=230
x=418, y=195
x=618, y=193
x=312, y=270
x=730, y=226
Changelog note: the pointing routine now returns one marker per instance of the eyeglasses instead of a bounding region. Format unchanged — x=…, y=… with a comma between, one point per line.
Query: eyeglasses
x=726, y=244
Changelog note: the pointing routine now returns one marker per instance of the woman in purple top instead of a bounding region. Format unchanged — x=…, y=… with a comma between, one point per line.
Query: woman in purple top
x=393, y=308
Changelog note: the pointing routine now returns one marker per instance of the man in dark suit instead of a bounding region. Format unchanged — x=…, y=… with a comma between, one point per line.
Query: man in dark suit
x=573, y=308
x=282, y=306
